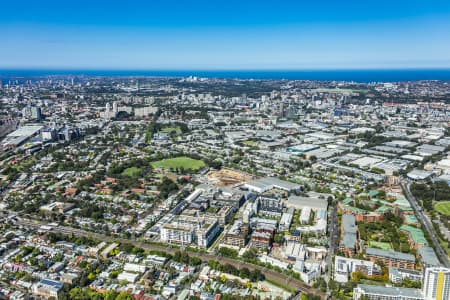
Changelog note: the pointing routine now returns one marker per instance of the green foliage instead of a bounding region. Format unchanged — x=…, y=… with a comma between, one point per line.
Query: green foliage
x=310, y=297
x=215, y=164
x=88, y=294
x=411, y=284
x=167, y=186
x=278, y=238
x=227, y=252
x=92, y=211
x=91, y=276
x=114, y=274
x=124, y=296
x=245, y=273
x=183, y=257
x=131, y=249
x=385, y=231
x=373, y=139
x=160, y=253
x=443, y=208
x=134, y=172
x=377, y=170
x=250, y=254
x=149, y=132
x=130, y=169
x=320, y=284
x=438, y=191
x=54, y=237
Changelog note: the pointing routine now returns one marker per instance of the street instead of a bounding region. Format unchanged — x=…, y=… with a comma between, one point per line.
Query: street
x=426, y=224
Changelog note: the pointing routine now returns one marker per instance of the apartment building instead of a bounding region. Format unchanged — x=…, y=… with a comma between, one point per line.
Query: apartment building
x=391, y=258
x=186, y=230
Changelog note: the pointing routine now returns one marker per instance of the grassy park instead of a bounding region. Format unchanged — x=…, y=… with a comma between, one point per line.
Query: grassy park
x=380, y=245
x=132, y=172
x=443, y=207
x=179, y=162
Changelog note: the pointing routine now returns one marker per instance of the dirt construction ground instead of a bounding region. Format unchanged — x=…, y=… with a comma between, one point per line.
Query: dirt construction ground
x=226, y=177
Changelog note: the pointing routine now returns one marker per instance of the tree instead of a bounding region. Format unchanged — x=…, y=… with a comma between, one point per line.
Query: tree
x=91, y=276
x=227, y=252
x=124, y=296
x=244, y=273
x=195, y=261
x=278, y=238
x=223, y=278
x=250, y=254
x=114, y=274
x=166, y=186
x=248, y=284
x=79, y=294
x=149, y=132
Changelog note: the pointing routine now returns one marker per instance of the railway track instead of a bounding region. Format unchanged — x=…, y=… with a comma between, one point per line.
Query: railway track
x=271, y=275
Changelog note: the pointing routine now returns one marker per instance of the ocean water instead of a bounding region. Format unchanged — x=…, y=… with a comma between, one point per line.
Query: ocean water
x=384, y=75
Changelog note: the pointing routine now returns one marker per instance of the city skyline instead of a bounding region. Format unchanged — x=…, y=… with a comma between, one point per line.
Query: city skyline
x=232, y=35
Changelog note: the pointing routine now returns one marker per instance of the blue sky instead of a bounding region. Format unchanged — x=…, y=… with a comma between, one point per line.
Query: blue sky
x=225, y=34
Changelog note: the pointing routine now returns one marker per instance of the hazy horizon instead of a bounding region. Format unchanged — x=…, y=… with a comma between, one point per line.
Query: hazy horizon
x=356, y=75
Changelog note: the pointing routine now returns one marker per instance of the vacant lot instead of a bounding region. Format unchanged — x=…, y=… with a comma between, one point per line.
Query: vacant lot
x=226, y=176
x=179, y=162
x=443, y=207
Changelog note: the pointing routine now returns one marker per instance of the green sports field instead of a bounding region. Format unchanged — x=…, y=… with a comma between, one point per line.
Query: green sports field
x=443, y=207
x=179, y=162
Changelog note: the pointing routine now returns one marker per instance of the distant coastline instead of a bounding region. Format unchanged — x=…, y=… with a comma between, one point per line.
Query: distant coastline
x=369, y=75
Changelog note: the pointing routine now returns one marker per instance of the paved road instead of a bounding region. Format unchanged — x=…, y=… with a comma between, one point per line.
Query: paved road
x=426, y=224
x=270, y=274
